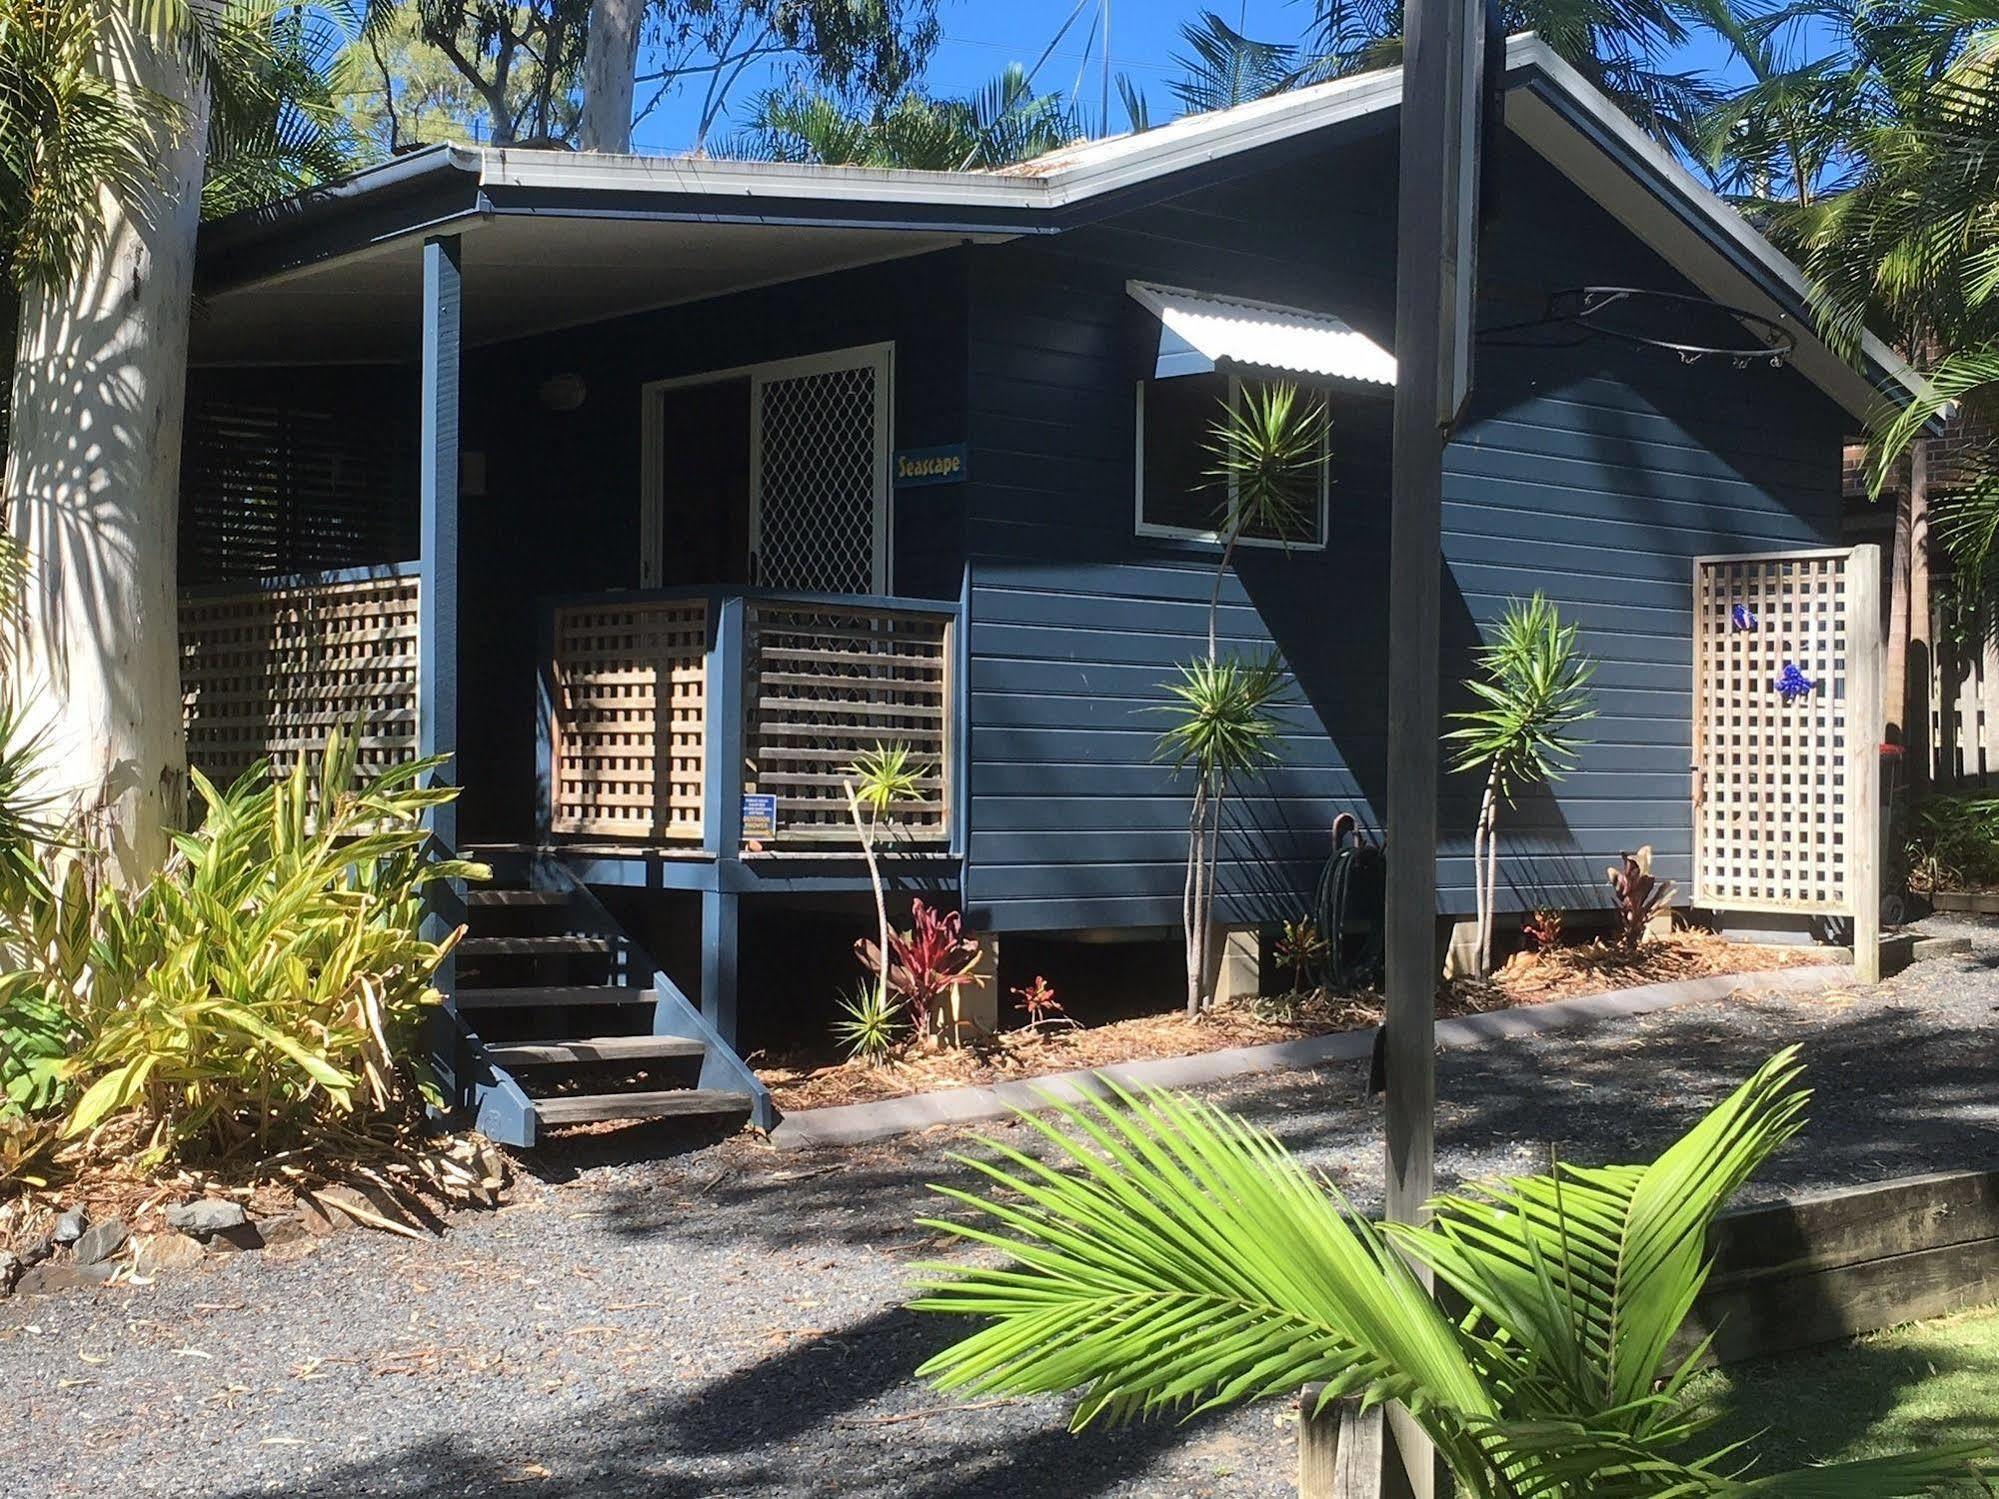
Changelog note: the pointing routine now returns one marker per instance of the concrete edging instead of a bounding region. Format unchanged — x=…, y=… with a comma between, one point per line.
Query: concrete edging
x=856, y=1123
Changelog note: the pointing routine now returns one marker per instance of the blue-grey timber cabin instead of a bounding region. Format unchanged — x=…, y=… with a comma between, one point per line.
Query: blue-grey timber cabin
x=652, y=490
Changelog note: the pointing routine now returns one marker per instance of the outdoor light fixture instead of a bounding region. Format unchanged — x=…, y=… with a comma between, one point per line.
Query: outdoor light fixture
x=564, y=392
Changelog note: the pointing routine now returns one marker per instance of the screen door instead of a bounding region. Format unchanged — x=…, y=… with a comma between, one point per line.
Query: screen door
x=819, y=463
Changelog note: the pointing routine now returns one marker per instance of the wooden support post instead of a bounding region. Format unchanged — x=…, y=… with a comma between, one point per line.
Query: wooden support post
x=1863, y=758
x=719, y=938
x=437, y=602
x=722, y=789
x=437, y=616
x=1339, y=1448
x=1435, y=295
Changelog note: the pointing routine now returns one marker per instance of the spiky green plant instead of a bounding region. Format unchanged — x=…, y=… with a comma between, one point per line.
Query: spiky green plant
x=880, y=780
x=1267, y=455
x=1223, y=729
x=1534, y=682
x=869, y=1026
x=1176, y=1258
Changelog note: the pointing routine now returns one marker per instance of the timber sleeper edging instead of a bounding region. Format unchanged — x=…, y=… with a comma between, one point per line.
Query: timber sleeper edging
x=856, y=1123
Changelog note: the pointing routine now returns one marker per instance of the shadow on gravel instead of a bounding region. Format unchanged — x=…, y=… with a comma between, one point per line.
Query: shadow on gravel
x=796, y=1423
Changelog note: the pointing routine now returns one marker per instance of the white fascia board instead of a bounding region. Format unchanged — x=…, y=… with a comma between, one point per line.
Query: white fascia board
x=1087, y=171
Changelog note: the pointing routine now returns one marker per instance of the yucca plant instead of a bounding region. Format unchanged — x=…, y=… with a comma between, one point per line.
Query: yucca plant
x=1534, y=682
x=1224, y=729
x=1266, y=454
x=869, y=1026
x=879, y=781
x=268, y=984
x=1176, y=1258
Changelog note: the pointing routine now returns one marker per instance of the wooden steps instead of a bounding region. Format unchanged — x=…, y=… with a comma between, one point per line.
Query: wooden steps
x=590, y=1108
x=594, y=1049
x=550, y=996
x=523, y=899
x=552, y=945
x=531, y=957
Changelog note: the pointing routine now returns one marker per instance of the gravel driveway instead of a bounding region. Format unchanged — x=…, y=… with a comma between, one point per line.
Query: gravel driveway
x=725, y=1320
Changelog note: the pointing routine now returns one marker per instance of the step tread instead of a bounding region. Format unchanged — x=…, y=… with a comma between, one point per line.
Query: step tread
x=528, y=947
x=486, y=897
x=586, y=1108
x=529, y=996
x=592, y=1049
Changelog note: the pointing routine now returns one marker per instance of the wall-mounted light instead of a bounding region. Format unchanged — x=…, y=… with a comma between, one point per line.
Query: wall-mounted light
x=564, y=392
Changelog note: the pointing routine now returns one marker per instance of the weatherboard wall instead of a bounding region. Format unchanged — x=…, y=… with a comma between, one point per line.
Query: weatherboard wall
x=1594, y=473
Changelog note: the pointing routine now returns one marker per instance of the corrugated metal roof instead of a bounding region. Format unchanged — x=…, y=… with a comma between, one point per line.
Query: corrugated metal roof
x=1202, y=331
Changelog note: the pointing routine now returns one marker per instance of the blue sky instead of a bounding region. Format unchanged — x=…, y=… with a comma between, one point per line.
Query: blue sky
x=982, y=36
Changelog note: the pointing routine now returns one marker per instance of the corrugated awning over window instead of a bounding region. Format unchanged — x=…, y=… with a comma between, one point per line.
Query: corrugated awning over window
x=1200, y=332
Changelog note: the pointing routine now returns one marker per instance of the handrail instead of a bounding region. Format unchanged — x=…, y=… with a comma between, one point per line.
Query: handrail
x=756, y=704
x=374, y=572
x=715, y=594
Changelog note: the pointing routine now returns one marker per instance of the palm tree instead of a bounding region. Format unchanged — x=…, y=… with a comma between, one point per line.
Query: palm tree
x=1534, y=683
x=1175, y=1259
x=1624, y=47
x=1003, y=123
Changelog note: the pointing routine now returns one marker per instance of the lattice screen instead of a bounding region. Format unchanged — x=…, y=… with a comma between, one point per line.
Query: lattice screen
x=266, y=674
x=1772, y=798
x=818, y=481
x=827, y=684
x=631, y=684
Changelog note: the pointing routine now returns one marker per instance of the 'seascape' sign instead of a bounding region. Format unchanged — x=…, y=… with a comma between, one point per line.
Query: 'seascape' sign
x=942, y=465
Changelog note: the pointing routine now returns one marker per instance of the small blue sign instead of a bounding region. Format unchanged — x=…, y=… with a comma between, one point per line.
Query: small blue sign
x=940, y=465
x=759, y=815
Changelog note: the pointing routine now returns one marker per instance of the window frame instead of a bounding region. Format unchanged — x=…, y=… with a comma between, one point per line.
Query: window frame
x=1160, y=531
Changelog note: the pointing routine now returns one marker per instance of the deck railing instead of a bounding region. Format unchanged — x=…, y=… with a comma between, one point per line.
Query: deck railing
x=269, y=668
x=670, y=713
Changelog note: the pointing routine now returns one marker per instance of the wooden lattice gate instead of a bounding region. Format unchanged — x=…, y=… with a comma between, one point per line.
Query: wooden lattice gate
x=1787, y=733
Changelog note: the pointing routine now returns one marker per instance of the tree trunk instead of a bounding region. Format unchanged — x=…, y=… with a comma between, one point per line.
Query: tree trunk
x=1190, y=904
x=866, y=835
x=610, y=59
x=1895, y=666
x=1920, y=672
x=1485, y=869
x=93, y=479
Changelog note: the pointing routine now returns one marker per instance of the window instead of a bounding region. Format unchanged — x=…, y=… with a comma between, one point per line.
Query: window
x=1175, y=496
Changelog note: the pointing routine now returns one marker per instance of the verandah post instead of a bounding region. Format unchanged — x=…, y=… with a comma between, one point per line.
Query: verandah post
x=722, y=813
x=437, y=591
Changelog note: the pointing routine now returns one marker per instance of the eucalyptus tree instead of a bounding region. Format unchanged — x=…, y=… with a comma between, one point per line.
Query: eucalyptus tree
x=111, y=115
x=859, y=51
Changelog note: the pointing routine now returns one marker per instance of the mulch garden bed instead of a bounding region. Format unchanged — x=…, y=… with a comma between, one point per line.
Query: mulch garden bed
x=802, y=1081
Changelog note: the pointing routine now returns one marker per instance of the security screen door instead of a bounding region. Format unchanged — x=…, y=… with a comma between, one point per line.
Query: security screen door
x=819, y=472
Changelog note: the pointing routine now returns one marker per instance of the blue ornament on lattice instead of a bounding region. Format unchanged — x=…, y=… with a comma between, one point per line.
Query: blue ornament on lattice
x=1794, y=684
x=1743, y=617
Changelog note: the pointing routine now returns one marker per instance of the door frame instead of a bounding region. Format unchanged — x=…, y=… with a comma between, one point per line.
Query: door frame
x=652, y=461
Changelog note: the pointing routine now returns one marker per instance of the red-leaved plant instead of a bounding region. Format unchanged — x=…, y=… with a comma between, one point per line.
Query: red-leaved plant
x=1043, y=1008
x=1637, y=895
x=1543, y=928
x=926, y=963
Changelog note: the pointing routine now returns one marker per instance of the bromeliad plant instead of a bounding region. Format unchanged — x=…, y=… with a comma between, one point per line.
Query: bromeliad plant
x=1534, y=682
x=1177, y=1259
x=267, y=987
